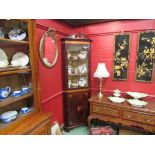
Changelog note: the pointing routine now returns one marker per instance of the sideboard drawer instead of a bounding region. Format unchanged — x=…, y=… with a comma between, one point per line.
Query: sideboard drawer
x=106, y=110
x=139, y=117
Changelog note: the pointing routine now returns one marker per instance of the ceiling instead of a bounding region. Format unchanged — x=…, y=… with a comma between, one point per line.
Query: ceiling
x=80, y=22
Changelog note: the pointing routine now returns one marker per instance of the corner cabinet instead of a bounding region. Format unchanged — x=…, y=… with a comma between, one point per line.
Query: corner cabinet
x=76, y=79
x=17, y=73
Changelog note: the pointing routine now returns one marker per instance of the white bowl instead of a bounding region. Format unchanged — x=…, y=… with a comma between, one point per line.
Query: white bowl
x=137, y=95
x=116, y=99
x=82, y=55
x=137, y=103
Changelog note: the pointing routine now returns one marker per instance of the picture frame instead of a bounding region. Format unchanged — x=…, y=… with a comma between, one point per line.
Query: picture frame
x=145, y=56
x=55, y=129
x=121, y=56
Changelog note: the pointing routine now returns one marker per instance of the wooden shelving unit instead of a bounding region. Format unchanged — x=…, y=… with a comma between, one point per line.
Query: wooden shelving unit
x=17, y=77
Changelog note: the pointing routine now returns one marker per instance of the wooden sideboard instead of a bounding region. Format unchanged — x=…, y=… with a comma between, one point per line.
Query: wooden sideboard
x=122, y=114
x=38, y=124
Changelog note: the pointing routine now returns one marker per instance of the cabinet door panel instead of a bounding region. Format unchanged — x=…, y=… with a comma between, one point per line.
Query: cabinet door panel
x=77, y=108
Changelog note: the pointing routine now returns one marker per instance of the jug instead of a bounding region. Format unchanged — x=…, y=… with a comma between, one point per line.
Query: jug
x=4, y=92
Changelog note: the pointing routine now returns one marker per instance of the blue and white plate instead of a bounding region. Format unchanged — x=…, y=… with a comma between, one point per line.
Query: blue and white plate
x=17, y=34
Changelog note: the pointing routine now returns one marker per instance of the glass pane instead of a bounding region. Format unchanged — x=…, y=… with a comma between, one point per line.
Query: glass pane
x=77, y=56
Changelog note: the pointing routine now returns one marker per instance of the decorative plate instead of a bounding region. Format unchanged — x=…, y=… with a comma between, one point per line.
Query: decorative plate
x=21, y=58
x=137, y=103
x=17, y=34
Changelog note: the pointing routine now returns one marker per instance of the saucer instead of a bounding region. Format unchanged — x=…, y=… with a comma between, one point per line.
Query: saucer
x=17, y=93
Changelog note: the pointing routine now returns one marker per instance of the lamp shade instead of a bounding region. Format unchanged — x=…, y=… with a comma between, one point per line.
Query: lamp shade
x=101, y=71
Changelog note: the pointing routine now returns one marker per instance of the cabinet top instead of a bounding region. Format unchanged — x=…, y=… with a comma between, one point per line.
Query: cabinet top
x=77, y=37
x=104, y=101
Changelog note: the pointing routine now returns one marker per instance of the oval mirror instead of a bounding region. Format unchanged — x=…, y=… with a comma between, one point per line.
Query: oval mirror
x=48, y=48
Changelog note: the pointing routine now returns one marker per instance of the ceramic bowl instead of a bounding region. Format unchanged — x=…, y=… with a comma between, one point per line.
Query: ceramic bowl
x=24, y=110
x=25, y=90
x=137, y=95
x=116, y=99
x=116, y=94
x=82, y=55
x=137, y=103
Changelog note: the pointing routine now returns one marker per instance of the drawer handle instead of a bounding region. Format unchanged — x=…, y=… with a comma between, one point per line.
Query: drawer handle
x=148, y=120
x=113, y=113
x=128, y=116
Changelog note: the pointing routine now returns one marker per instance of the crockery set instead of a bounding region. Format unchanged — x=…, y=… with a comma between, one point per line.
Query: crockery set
x=6, y=92
x=133, y=102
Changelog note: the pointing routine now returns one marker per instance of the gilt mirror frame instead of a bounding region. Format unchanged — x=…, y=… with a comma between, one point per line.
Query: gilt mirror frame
x=49, y=33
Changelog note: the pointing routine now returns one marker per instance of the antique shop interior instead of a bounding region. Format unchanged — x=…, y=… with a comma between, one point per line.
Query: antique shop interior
x=77, y=77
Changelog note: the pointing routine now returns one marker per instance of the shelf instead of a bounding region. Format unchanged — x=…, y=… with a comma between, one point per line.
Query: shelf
x=9, y=42
x=14, y=70
x=11, y=100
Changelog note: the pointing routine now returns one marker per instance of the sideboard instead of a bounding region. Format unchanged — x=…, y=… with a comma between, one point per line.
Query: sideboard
x=122, y=114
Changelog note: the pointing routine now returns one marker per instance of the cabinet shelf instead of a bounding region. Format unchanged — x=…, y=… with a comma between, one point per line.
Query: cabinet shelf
x=8, y=42
x=14, y=70
x=11, y=100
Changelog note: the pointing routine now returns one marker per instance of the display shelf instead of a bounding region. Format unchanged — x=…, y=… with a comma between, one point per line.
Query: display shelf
x=8, y=42
x=13, y=70
x=10, y=100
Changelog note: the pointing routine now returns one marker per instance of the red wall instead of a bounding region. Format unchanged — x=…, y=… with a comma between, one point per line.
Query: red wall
x=102, y=49
x=51, y=79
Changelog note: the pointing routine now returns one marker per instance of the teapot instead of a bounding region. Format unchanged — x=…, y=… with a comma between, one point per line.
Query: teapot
x=4, y=92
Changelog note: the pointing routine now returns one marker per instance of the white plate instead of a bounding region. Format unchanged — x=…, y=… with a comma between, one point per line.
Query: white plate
x=3, y=54
x=17, y=34
x=21, y=58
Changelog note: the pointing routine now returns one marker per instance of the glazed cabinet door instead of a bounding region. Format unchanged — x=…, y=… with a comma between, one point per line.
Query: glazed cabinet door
x=76, y=108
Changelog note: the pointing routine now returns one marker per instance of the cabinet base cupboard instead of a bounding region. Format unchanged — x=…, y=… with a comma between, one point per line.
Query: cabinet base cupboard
x=76, y=86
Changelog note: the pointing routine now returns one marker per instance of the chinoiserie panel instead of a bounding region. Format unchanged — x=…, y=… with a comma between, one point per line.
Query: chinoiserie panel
x=145, y=56
x=121, y=57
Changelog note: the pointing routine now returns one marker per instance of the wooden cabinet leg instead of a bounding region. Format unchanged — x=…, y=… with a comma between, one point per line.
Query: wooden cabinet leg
x=89, y=121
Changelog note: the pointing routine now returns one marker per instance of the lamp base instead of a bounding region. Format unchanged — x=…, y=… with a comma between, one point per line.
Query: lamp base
x=100, y=95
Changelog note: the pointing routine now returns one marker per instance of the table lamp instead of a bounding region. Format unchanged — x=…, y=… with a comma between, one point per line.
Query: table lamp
x=101, y=72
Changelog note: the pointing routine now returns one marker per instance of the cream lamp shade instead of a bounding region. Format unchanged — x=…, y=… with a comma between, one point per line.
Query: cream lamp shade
x=101, y=71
